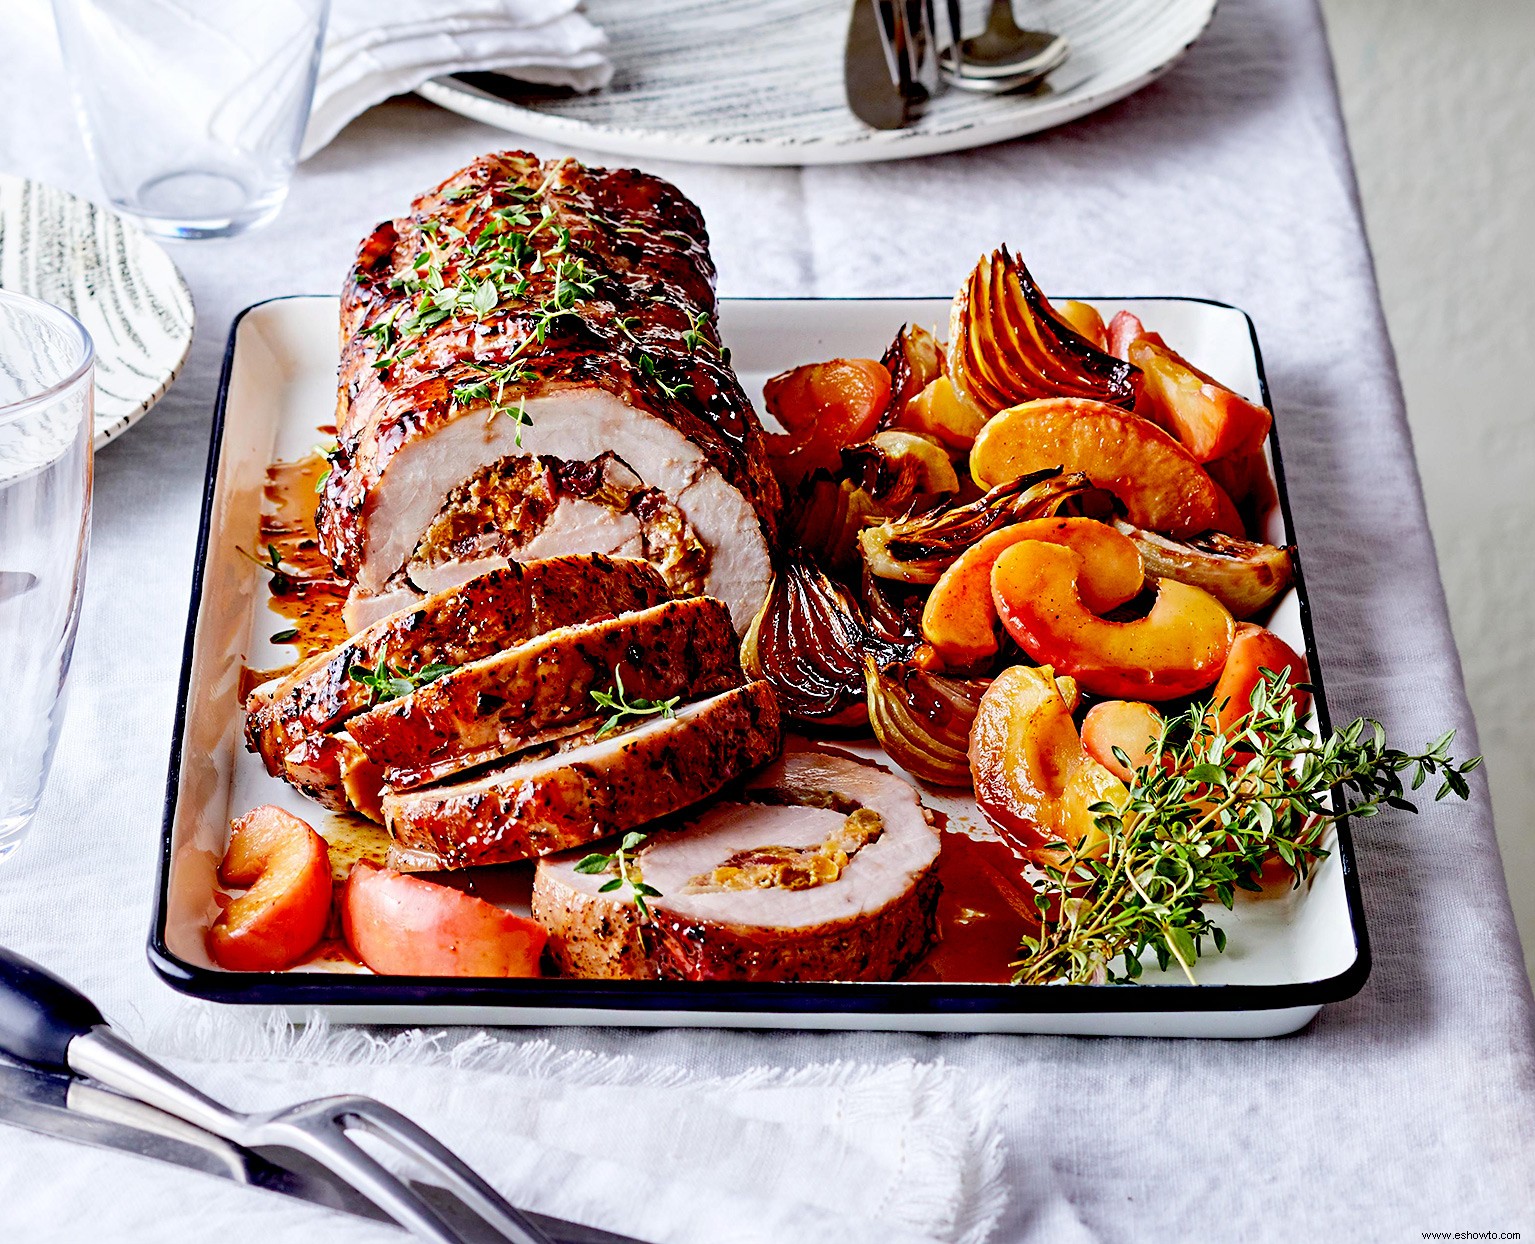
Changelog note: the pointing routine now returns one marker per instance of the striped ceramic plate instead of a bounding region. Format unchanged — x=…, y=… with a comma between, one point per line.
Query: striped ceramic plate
x=760, y=81
x=111, y=277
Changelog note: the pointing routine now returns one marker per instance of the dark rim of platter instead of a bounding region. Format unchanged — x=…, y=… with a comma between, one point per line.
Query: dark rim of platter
x=768, y=999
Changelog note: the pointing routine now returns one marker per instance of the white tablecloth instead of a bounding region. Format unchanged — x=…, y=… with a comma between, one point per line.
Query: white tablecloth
x=1409, y=1108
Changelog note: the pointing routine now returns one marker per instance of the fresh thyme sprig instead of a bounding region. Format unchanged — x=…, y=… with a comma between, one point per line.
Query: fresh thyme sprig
x=652, y=370
x=327, y=451
x=621, y=706
x=627, y=868
x=491, y=391
x=281, y=579
x=694, y=337
x=387, y=683
x=1202, y=823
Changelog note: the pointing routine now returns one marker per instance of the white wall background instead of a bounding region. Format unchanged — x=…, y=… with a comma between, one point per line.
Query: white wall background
x=1440, y=101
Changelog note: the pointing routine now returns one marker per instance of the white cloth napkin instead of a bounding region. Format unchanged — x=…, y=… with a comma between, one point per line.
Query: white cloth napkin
x=909, y=1152
x=378, y=48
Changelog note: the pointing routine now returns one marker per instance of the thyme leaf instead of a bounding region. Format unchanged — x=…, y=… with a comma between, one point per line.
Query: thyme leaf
x=385, y=682
x=620, y=706
x=626, y=869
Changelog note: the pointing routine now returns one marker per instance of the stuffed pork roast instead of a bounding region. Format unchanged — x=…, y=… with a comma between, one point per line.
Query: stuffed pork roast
x=531, y=366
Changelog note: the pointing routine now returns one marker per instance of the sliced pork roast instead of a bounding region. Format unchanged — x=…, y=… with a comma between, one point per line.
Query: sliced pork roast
x=531, y=365
x=543, y=689
x=607, y=785
x=486, y=615
x=824, y=867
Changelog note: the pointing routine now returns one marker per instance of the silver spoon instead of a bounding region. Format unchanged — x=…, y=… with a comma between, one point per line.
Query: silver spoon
x=1003, y=57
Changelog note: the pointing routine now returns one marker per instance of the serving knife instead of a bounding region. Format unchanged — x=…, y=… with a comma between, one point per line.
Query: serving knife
x=40, y=1016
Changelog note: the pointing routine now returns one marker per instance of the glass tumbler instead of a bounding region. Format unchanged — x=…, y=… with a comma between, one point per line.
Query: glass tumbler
x=46, y=365
x=193, y=111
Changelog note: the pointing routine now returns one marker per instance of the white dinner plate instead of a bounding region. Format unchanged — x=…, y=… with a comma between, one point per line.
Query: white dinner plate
x=760, y=82
x=1286, y=955
x=112, y=277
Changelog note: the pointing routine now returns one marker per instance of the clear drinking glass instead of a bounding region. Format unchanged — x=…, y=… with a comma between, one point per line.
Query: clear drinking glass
x=193, y=110
x=46, y=365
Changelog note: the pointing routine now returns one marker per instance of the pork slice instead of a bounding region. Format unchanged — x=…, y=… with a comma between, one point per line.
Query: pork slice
x=485, y=615
x=608, y=786
x=544, y=688
x=871, y=921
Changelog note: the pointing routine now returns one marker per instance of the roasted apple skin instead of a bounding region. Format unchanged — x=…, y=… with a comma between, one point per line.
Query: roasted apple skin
x=1180, y=647
x=1132, y=726
x=1253, y=650
x=285, y=869
x=1156, y=478
x=1207, y=418
x=825, y=407
x=1033, y=779
x=1243, y=575
x=959, y=618
x=400, y=925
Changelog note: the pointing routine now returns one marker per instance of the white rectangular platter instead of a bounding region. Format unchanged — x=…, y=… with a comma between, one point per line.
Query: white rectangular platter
x=1286, y=956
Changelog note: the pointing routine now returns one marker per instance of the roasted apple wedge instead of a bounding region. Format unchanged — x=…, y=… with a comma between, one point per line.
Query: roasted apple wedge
x=942, y=411
x=1244, y=576
x=959, y=619
x=1180, y=647
x=1129, y=726
x=400, y=925
x=824, y=406
x=1156, y=478
x=1253, y=650
x=1207, y=418
x=1008, y=345
x=284, y=867
x=1033, y=779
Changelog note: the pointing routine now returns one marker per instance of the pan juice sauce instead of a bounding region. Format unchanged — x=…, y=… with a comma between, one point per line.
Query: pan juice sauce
x=306, y=594
x=985, y=907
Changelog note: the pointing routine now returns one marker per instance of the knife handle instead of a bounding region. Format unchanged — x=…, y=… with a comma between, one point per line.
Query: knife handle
x=40, y=1014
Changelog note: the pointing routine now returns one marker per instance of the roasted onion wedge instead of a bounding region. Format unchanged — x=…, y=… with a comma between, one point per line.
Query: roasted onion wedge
x=919, y=547
x=1244, y=576
x=1007, y=345
x=914, y=360
x=809, y=641
x=923, y=720
x=879, y=478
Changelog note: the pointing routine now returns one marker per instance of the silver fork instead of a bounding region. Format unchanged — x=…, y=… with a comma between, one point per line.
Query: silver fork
x=49, y=1024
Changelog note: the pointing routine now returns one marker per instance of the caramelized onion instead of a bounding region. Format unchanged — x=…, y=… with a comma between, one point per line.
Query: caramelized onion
x=809, y=640
x=878, y=478
x=914, y=360
x=1006, y=345
x=920, y=546
x=1244, y=576
x=923, y=720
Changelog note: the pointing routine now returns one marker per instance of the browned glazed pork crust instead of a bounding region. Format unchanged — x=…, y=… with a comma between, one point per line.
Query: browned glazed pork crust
x=478, y=619
x=652, y=771
x=543, y=689
x=601, y=937
x=646, y=245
